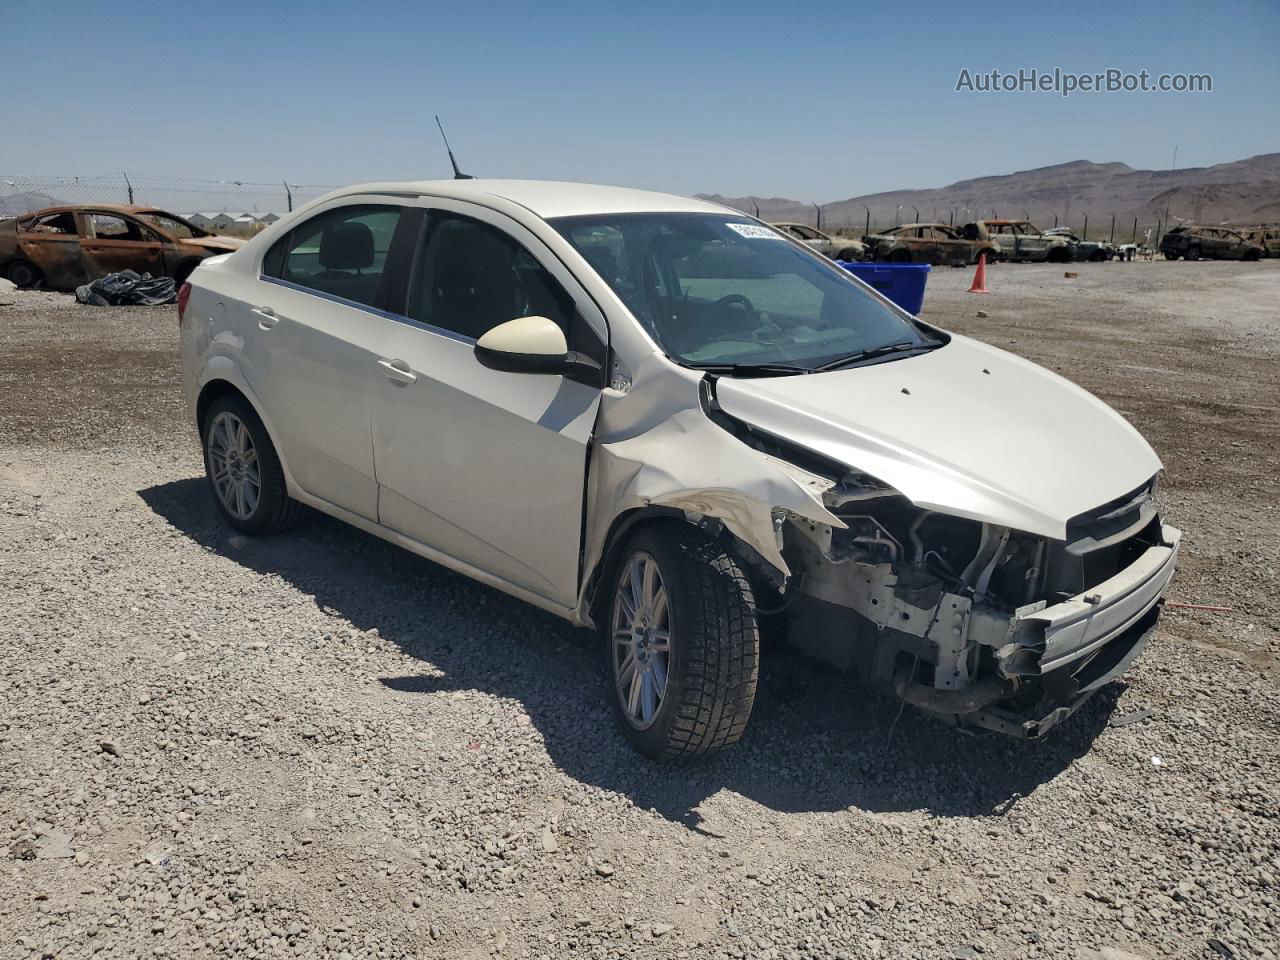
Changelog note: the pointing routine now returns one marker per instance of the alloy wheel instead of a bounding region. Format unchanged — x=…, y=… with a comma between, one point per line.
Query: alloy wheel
x=233, y=465
x=641, y=640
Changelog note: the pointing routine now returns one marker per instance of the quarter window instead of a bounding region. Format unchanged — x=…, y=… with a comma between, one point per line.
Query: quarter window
x=469, y=277
x=341, y=252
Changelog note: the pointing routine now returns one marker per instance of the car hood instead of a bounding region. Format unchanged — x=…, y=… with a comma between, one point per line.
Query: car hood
x=217, y=244
x=966, y=429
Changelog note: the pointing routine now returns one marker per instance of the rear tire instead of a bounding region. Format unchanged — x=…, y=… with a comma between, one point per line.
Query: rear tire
x=244, y=470
x=24, y=274
x=848, y=255
x=682, y=645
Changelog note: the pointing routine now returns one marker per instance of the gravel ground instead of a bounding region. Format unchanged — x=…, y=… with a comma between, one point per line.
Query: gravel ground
x=319, y=745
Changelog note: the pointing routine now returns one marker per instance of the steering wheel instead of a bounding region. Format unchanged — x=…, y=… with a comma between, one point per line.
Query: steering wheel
x=748, y=307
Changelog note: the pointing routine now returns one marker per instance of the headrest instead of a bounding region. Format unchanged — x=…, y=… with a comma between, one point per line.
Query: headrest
x=347, y=246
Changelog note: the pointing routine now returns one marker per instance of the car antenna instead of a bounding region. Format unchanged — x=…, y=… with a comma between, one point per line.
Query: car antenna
x=457, y=174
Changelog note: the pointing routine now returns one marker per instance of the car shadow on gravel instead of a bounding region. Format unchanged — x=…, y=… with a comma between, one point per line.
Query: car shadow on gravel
x=817, y=741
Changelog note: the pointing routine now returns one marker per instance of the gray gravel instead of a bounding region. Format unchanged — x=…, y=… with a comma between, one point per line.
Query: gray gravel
x=318, y=745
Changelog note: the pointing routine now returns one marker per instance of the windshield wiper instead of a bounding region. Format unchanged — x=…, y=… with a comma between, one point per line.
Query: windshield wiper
x=885, y=350
x=751, y=369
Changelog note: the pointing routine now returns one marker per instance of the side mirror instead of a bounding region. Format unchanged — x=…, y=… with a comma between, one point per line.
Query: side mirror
x=535, y=345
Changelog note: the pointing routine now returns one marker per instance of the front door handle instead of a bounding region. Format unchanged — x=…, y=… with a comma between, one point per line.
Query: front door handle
x=267, y=318
x=398, y=372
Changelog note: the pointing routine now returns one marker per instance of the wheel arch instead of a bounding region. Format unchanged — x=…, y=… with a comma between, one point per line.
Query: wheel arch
x=627, y=524
x=222, y=378
x=182, y=272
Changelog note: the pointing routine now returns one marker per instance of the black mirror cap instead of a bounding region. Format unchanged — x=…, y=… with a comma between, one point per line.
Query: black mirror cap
x=572, y=365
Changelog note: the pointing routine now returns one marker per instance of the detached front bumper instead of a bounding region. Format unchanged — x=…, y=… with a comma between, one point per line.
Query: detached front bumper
x=1058, y=656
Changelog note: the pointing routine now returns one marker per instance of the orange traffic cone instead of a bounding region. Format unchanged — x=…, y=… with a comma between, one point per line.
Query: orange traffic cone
x=980, y=276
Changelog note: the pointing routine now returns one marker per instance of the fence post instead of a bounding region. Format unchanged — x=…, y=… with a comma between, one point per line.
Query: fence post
x=288, y=194
x=128, y=184
x=1113, y=228
x=1084, y=234
x=1134, y=238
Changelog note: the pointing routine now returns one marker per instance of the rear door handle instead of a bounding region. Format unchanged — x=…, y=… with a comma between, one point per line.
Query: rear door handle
x=267, y=318
x=398, y=372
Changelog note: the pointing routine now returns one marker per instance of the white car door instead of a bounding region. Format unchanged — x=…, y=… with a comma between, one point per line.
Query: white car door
x=486, y=466
x=319, y=327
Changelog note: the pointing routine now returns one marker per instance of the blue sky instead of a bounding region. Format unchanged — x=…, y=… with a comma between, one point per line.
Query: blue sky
x=810, y=101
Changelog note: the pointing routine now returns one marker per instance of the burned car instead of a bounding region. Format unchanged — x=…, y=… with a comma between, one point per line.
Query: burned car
x=1266, y=237
x=938, y=244
x=60, y=248
x=1209, y=243
x=837, y=248
x=664, y=420
x=1090, y=251
x=1020, y=240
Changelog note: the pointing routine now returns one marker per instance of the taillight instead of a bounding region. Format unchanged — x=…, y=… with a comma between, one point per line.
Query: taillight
x=184, y=295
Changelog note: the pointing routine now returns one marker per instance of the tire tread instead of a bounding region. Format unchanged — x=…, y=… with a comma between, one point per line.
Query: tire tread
x=721, y=645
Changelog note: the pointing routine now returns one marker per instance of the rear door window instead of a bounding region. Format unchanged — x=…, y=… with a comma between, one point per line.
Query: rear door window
x=107, y=226
x=342, y=252
x=64, y=223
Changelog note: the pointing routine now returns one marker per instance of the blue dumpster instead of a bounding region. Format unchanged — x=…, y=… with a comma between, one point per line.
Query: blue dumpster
x=903, y=283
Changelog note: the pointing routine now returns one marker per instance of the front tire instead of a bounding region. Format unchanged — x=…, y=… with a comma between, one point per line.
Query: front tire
x=244, y=470
x=1193, y=253
x=682, y=645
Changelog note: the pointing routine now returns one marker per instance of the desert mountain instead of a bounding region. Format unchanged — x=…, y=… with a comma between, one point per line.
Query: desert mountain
x=1245, y=191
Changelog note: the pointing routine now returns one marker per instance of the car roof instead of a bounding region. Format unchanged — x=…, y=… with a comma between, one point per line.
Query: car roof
x=109, y=207
x=548, y=198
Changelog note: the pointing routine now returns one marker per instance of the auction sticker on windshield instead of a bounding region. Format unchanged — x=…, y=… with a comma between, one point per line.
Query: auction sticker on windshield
x=753, y=231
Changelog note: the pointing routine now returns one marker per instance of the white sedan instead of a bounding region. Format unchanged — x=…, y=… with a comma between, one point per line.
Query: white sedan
x=661, y=418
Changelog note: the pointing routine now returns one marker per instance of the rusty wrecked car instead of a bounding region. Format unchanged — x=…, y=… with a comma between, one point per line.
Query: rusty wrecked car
x=60, y=248
x=837, y=248
x=935, y=243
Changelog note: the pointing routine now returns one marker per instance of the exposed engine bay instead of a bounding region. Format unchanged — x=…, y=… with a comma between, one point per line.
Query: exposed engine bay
x=978, y=623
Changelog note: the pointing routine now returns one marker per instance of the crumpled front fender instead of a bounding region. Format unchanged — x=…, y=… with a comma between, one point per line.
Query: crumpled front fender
x=685, y=462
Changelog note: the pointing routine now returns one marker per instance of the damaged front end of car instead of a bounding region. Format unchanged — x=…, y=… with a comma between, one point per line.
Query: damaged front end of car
x=979, y=624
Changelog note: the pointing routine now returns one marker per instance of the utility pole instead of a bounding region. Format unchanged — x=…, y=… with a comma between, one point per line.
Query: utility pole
x=128, y=185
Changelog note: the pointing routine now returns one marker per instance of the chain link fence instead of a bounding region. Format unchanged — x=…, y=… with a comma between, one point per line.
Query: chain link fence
x=228, y=199
x=245, y=206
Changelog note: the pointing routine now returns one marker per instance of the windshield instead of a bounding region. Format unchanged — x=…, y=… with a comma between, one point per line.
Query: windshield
x=172, y=225
x=718, y=290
